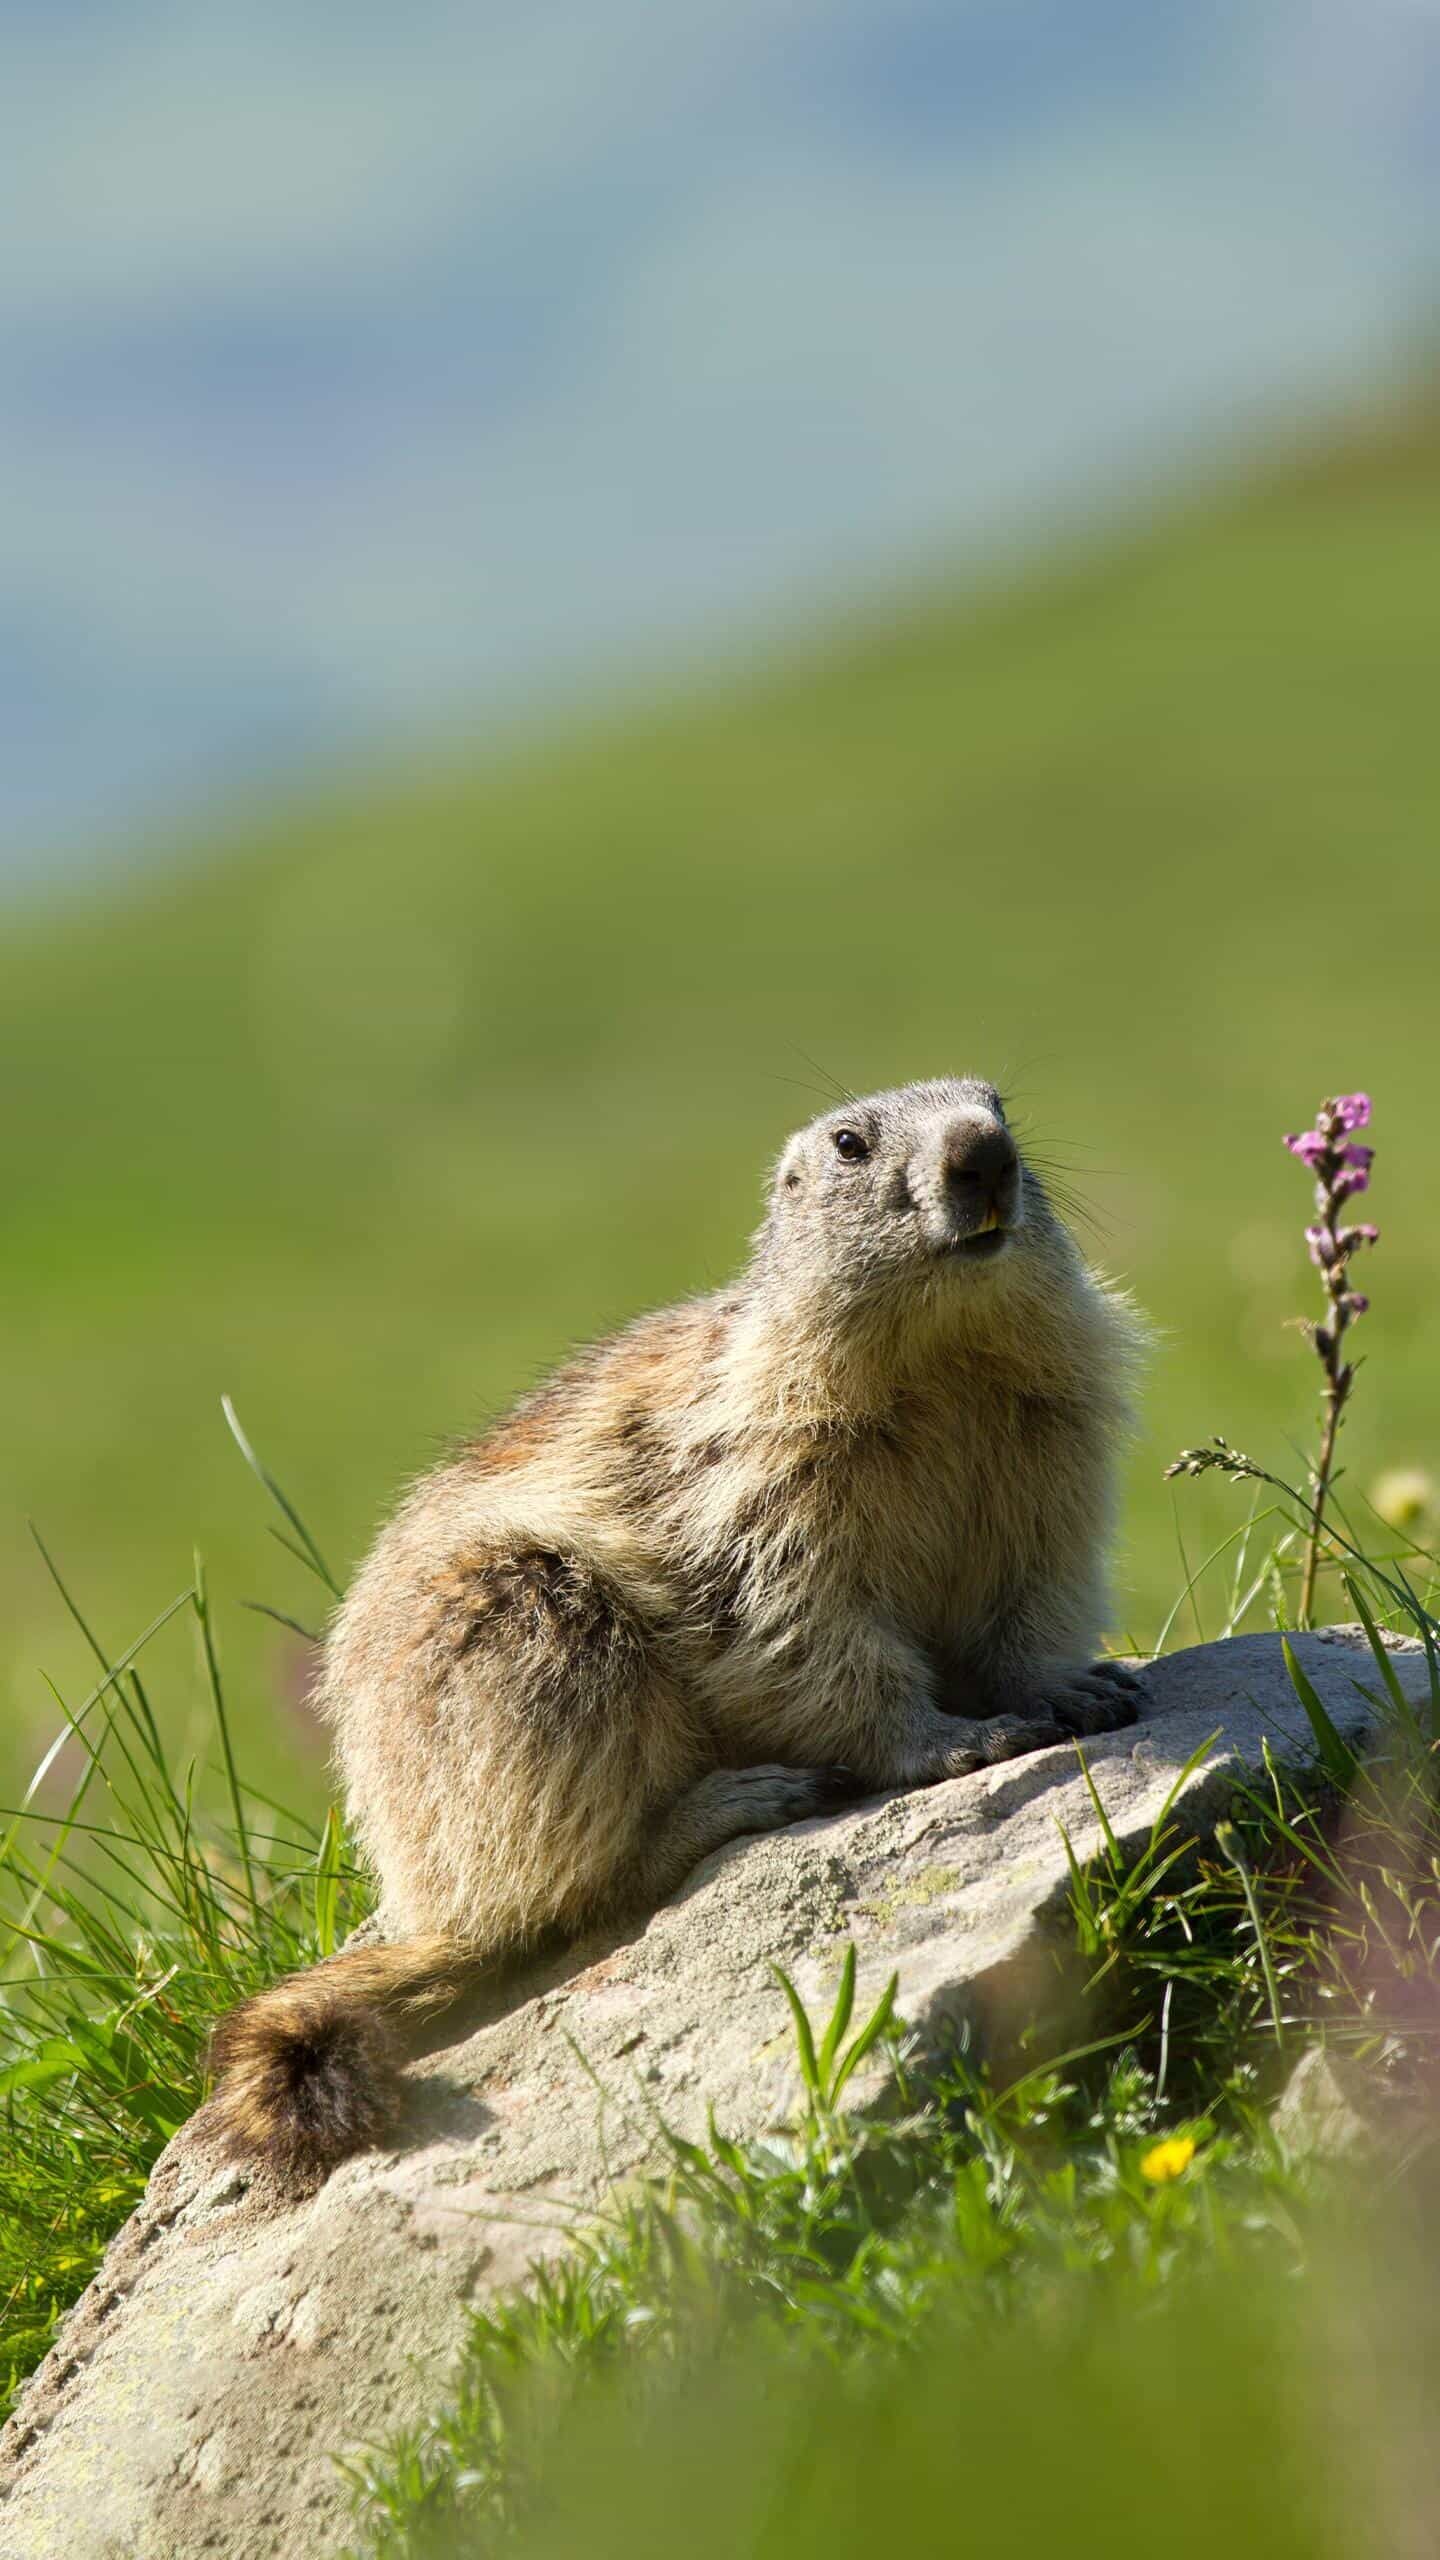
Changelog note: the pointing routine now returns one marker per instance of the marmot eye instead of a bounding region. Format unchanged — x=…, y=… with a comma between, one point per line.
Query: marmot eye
x=850, y=1145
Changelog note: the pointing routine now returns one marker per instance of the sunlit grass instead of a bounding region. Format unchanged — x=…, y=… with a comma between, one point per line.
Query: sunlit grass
x=1118, y=2229
x=1088, y=2224
x=130, y=1916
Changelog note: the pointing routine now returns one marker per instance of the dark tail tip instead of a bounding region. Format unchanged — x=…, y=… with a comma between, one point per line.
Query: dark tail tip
x=306, y=2077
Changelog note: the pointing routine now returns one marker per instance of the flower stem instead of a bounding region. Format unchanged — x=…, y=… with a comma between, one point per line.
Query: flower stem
x=1337, y=1388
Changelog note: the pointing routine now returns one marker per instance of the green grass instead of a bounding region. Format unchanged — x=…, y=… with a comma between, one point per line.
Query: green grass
x=955, y=2226
x=802, y=2345
x=367, y=1109
x=130, y=1918
x=1112, y=2434
x=1055, y=2360
x=1104, y=2305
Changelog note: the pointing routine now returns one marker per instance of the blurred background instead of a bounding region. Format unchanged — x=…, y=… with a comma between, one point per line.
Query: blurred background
x=571, y=573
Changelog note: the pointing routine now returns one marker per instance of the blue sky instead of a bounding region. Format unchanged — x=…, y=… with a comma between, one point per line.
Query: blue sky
x=367, y=372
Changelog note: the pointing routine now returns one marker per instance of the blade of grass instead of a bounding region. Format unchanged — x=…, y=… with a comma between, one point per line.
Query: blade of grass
x=1228, y=1842
x=142, y=1702
x=327, y=1881
x=49, y=1758
x=804, y=2037
x=839, y=2018
x=1190, y=1578
x=262, y=1609
x=217, y=1699
x=869, y=2035
x=1339, y=1760
x=311, y=1554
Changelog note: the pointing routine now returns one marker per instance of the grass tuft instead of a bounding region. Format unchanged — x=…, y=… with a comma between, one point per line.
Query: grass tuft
x=1083, y=2225
x=129, y=1919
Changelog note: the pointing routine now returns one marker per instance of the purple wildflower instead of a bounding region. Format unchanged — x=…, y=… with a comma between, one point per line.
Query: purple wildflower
x=1341, y=1170
x=1309, y=1146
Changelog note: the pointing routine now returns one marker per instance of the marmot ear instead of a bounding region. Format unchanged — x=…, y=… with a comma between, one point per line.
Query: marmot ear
x=790, y=1171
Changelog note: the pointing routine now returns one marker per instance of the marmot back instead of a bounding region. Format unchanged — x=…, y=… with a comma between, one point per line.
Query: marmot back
x=835, y=1529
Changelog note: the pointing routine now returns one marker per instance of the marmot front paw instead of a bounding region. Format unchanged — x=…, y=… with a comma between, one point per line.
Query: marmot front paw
x=1099, y=1700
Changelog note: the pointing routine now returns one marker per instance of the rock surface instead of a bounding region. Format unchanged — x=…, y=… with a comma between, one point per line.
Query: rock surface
x=232, y=2344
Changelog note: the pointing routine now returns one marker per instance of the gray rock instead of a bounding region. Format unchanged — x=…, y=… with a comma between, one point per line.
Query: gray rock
x=233, y=2344
x=1342, y=2105
x=1321, y=2110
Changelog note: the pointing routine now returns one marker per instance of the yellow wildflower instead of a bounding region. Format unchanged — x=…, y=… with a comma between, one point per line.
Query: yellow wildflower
x=1403, y=1496
x=1167, y=2160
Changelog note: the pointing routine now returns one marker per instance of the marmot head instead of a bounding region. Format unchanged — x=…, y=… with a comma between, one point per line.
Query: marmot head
x=918, y=1193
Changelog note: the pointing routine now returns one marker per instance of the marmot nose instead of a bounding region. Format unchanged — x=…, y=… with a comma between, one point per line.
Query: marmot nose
x=978, y=1161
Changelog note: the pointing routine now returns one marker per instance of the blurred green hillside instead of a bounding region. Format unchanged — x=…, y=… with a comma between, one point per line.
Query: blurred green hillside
x=368, y=1115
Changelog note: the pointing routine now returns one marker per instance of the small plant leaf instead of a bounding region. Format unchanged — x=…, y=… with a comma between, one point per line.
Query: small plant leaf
x=327, y=1881
x=870, y=2034
x=1336, y=1755
x=1405, y=1713
x=839, y=2019
x=49, y=2062
x=804, y=2037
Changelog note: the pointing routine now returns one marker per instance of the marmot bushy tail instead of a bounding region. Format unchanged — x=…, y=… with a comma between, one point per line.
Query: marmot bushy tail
x=840, y=1526
x=308, y=2069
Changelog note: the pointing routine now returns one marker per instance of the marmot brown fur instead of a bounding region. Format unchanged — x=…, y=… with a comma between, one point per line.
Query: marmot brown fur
x=839, y=1527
